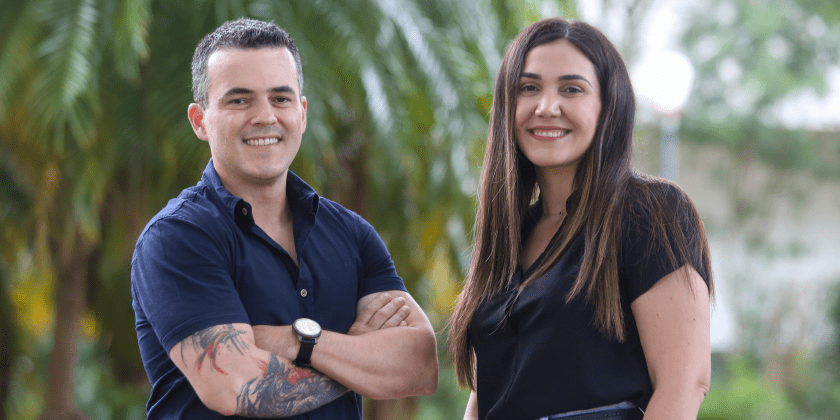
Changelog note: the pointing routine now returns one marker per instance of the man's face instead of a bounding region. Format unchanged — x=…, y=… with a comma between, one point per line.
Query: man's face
x=255, y=115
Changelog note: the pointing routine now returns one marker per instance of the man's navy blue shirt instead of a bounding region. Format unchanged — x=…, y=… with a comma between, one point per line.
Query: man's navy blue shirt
x=201, y=262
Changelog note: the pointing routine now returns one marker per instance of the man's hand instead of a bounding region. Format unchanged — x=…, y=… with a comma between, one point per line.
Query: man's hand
x=382, y=312
x=373, y=358
x=381, y=362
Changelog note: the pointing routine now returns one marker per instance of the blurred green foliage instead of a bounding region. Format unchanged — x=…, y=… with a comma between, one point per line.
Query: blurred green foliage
x=749, y=56
x=745, y=396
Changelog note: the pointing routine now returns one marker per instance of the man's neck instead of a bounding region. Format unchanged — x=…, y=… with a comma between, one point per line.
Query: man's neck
x=271, y=210
x=269, y=204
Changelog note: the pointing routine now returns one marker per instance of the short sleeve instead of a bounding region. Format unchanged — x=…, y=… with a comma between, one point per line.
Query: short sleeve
x=378, y=272
x=645, y=255
x=182, y=279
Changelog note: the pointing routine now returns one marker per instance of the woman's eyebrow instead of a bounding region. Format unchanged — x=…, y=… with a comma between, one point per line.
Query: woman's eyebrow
x=561, y=78
x=574, y=77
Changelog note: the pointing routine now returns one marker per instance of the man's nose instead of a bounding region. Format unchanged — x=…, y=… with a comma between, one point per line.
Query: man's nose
x=264, y=113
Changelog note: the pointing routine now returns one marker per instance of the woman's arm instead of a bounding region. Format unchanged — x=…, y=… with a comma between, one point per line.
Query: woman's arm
x=471, y=413
x=674, y=328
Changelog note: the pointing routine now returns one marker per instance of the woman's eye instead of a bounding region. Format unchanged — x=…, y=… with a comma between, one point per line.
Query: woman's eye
x=572, y=89
x=528, y=88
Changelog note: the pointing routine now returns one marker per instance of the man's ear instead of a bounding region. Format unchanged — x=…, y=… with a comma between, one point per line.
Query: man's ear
x=303, y=105
x=196, y=115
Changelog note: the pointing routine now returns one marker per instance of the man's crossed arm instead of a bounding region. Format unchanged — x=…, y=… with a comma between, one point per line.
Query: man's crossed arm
x=237, y=369
x=384, y=363
x=234, y=377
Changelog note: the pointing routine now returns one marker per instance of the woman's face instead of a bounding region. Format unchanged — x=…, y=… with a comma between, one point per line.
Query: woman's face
x=557, y=105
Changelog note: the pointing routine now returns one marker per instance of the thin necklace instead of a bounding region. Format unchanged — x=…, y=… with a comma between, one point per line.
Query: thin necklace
x=545, y=213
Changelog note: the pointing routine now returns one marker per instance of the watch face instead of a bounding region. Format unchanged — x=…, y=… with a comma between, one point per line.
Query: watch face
x=307, y=327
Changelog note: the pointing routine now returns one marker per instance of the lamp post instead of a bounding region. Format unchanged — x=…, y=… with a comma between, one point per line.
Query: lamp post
x=663, y=81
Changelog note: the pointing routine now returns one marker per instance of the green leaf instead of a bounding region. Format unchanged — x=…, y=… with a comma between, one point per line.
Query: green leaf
x=62, y=94
x=129, y=25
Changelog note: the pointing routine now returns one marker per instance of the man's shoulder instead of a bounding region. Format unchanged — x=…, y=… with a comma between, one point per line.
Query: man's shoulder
x=340, y=217
x=192, y=207
x=328, y=209
x=332, y=207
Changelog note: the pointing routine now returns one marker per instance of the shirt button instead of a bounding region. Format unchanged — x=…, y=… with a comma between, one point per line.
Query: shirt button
x=303, y=293
x=244, y=211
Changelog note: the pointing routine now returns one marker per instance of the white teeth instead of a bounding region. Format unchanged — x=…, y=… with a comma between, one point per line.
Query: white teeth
x=554, y=133
x=262, y=142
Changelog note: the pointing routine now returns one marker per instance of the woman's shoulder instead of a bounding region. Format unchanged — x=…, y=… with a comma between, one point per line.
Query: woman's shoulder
x=661, y=231
x=649, y=192
x=657, y=207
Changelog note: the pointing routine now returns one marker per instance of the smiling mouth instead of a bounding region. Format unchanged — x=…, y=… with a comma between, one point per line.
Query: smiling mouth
x=261, y=142
x=549, y=133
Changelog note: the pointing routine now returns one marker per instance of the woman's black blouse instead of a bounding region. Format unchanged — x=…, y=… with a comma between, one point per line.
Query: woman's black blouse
x=538, y=355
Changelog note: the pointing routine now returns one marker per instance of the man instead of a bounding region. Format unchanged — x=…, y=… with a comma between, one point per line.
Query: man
x=222, y=273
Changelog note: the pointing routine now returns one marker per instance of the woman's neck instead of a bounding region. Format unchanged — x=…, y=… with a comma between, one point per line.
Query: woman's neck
x=555, y=188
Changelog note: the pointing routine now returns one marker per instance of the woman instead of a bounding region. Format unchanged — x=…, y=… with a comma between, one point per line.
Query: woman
x=589, y=284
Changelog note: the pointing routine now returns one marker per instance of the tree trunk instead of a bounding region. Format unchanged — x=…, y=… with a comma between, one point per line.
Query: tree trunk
x=354, y=194
x=70, y=296
x=8, y=342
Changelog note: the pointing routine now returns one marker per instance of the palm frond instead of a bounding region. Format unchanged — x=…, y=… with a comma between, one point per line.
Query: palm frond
x=16, y=60
x=129, y=43
x=63, y=95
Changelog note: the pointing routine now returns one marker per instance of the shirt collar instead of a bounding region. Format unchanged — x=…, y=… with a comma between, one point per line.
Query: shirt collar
x=303, y=199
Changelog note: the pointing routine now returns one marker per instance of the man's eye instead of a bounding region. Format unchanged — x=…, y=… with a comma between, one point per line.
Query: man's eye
x=282, y=99
x=237, y=101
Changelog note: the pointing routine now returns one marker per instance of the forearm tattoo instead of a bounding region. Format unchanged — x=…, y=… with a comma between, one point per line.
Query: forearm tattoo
x=209, y=340
x=285, y=391
x=279, y=392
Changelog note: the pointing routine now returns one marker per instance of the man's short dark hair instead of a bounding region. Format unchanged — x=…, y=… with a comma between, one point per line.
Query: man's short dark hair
x=242, y=33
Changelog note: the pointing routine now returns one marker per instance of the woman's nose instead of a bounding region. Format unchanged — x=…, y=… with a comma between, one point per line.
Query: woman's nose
x=548, y=106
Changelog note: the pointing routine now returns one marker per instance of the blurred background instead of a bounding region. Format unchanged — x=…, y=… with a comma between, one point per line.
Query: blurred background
x=739, y=104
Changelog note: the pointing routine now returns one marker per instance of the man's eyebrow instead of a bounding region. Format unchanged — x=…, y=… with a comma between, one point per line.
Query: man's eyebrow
x=244, y=91
x=237, y=91
x=282, y=89
x=561, y=78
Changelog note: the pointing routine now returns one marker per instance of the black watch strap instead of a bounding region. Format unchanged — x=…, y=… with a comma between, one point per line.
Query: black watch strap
x=305, y=352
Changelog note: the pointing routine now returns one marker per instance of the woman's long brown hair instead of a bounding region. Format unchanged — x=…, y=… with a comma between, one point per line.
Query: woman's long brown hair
x=605, y=181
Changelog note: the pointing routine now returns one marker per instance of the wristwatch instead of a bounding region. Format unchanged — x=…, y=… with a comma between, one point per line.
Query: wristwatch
x=308, y=332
